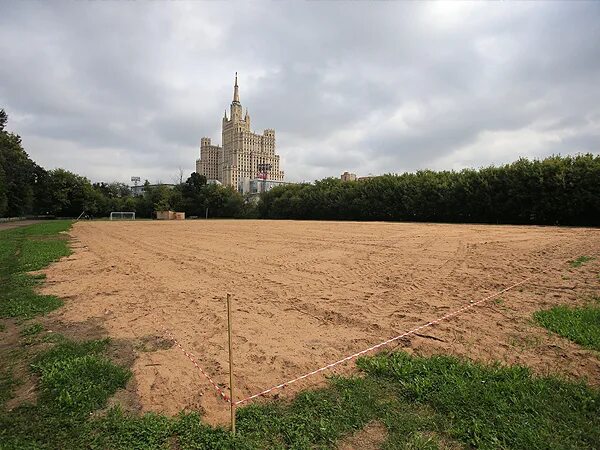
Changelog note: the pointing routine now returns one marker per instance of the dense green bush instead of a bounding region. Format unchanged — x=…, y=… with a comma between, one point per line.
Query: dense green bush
x=555, y=191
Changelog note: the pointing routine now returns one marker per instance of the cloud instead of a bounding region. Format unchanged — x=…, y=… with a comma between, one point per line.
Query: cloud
x=111, y=90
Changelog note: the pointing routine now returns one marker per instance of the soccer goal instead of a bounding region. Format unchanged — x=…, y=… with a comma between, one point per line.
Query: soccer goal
x=122, y=215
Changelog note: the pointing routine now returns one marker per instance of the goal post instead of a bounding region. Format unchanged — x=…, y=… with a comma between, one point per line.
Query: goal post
x=122, y=215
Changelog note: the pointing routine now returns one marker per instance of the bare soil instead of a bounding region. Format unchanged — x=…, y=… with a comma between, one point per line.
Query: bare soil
x=18, y=223
x=309, y=293
x=371, y=437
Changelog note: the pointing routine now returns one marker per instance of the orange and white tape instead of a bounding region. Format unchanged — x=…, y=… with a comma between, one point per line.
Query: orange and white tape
x=218, y=388
x=375, y=347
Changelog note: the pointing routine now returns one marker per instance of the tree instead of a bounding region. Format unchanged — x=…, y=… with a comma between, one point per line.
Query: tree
x=556, y=190
x=70, y=194
x=3, y=119
x=17, y=174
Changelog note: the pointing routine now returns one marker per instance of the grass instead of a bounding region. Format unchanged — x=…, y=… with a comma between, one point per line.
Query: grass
x=26, y=249
x=423, y=403
x=579, y=324
x=580, y=261
x=495, y=406
x=32, y=329
x=7, y=384
x=74, y=379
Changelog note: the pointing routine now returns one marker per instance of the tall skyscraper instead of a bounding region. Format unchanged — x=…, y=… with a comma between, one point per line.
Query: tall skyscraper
x=246, y=160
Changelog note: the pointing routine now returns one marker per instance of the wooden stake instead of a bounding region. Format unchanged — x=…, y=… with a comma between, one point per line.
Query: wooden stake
x=231, y=404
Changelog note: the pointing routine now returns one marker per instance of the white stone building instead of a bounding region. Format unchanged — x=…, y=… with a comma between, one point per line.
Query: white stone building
x=246, y=160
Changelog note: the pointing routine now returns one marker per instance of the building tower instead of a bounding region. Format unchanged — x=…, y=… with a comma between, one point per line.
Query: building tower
x=246, y=160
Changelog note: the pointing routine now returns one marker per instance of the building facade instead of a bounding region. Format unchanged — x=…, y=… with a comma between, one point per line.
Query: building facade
x=347, y=176
x=247, y=161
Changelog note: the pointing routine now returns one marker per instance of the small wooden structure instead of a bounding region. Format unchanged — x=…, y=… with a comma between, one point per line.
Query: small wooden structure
x=170, y=215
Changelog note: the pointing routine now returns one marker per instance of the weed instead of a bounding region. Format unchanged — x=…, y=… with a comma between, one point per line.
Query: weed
x=525, y=342
x=580, y=261
x=579, y=324
x=32, y=329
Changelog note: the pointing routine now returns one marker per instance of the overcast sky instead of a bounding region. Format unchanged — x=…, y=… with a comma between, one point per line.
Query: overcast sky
x=115, y=89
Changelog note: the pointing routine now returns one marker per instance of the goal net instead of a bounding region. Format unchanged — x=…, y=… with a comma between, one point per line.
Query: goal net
x=122, y=215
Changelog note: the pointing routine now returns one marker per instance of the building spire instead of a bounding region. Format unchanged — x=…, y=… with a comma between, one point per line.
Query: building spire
x=236, y=93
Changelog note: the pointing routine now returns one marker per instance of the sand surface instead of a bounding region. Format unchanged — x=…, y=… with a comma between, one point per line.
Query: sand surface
x=309, y=293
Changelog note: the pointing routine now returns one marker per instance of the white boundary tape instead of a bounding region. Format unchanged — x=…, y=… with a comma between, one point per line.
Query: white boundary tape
x=374, y=347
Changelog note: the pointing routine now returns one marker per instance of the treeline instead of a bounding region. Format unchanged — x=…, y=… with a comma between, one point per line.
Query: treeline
x=554, y=191
x=28, y=189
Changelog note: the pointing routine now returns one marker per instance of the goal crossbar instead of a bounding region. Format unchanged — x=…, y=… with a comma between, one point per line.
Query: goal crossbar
x=122, y=215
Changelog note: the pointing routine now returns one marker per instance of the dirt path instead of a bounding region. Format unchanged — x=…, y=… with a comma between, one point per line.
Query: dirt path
x=308, y=293
x=18, y=223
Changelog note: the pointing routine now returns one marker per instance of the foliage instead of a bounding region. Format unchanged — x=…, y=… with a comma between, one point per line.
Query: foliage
x=32, y=330
x=69, y=194
x=579, y=324
x=19, y=175
x=556, y=190
x=580, y=261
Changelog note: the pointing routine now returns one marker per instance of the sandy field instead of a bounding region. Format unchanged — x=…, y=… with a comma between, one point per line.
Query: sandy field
x=309, y=293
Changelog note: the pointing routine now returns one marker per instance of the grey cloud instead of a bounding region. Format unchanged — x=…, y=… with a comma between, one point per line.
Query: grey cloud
x=115, y=89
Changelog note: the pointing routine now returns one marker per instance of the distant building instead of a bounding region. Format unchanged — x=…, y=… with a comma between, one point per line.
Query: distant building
x=347, y=176
x=140, y=188
x=256, y=186
x=246, y=161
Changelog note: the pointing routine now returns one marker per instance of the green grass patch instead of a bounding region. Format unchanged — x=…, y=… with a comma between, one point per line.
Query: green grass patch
x=579, y=324
x=494, y=406
x=7, y=383
x=26, y=249
x=578, y=262
x=32, y=330
x=76, y=379
x=422, y=402
x=38, y=253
